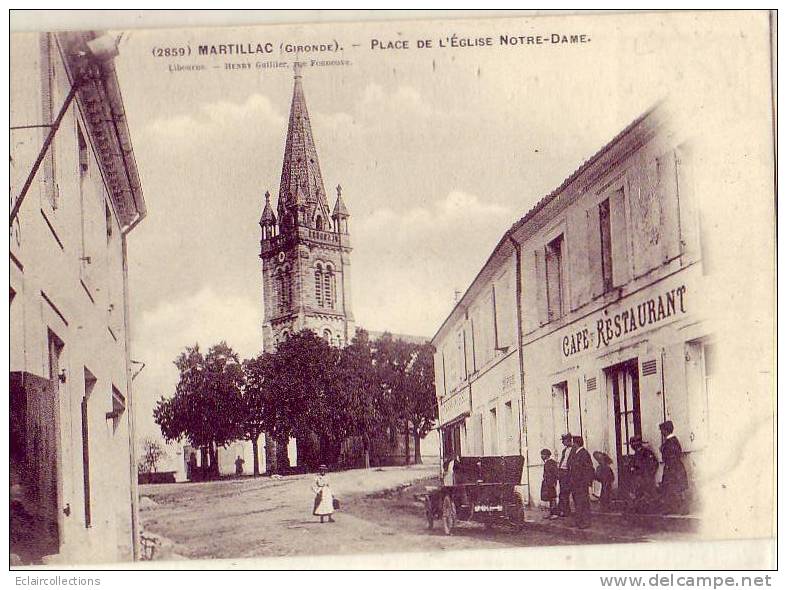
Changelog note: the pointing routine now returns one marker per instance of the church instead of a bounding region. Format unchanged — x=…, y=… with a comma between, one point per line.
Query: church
x=305, y=245
x=305, y=252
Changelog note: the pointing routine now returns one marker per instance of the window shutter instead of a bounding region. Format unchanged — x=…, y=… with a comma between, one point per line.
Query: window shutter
x=646, y=216
x=530, y=312
x=594, y=275
x=578, y=263
x=620, y=238
x=687, y=205
x=541, y=286
x=670, y=218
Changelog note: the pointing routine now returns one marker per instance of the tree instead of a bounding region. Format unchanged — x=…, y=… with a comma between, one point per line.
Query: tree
x=152, y=453
x=301, y=397
x=420, y=397
x=358, y=393
x=206, y=401
x=258, y=379
x=391, y=360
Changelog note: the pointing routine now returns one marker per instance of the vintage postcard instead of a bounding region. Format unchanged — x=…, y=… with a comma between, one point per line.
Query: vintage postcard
x=442, y=292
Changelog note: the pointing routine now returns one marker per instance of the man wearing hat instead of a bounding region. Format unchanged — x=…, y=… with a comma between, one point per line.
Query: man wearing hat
x=674, y=481
x=644, y=465
x=563, y=502
x=580, y=475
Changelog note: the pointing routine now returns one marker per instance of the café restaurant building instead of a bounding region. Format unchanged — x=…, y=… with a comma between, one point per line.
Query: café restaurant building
x=611, y=336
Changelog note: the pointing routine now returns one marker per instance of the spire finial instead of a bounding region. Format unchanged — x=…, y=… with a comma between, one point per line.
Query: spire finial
x=267, y=196
x=296, y=69
x=338, y=190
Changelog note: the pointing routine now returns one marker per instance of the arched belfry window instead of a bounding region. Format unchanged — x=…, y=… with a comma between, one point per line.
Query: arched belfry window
x=318, y=294
x=318, y=223
x=284, y=288
x=326, y=334
x=329, y=288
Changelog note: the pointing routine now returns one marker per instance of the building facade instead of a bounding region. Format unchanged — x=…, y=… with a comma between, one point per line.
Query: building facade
x=72, y=458
x=608, y=316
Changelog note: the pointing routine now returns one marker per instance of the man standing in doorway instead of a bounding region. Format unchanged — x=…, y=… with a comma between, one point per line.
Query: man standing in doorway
x=563, y=501
x=580, y=476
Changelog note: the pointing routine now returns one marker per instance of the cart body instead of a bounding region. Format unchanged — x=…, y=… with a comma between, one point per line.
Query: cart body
x=483, y=490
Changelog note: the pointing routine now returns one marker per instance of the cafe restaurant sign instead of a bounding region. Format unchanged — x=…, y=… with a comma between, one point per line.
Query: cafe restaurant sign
x=456, y=405
x=608, y=326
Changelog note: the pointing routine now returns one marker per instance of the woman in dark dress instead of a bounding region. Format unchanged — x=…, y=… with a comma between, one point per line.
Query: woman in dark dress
x=674, y=480
x=549, y=482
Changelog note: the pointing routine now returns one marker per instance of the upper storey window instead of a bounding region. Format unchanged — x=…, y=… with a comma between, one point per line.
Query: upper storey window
x=554, y=277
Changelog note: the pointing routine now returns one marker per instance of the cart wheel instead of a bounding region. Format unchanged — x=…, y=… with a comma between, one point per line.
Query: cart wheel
x=517, y=515
x=449, y=515
x=429, y=513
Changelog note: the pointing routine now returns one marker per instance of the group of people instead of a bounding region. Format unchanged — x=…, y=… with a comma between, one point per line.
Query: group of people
x=569, y=480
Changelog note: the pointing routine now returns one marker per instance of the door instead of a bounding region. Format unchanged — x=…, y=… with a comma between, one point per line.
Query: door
x=624, y=380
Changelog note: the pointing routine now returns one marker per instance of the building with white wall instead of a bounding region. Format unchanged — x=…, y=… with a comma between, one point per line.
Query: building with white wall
x=72, y=457
x=598, y=329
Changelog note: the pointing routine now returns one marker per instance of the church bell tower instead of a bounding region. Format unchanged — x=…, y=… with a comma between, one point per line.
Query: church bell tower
x=305, y=246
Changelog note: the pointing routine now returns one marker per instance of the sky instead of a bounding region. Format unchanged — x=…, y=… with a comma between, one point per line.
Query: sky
x=438, y=152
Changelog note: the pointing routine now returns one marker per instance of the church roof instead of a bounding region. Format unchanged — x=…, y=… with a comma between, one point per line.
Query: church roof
x=267, y=212
x=301, y=168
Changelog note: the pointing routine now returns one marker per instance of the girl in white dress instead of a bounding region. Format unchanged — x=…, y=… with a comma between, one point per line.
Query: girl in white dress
x=323, y=497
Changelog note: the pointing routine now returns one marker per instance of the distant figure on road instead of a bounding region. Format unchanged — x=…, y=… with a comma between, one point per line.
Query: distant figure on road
x=239, y=465
x=674, y=481
x=323, y=497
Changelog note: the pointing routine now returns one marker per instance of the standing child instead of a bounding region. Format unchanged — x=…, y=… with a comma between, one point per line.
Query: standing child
x=549, y=482
x=606, y=477
x=323, y=497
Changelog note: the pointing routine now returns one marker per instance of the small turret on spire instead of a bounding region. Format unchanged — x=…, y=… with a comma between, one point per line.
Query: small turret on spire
x=340, y=213
x=268, y=219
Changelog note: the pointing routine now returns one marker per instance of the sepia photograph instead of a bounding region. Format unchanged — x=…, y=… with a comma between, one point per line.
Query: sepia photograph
x=465, y=290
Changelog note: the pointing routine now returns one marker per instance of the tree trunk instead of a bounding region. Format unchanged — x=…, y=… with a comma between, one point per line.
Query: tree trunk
x=214, y=467
x=406, y=443
x=203, y=464
x=282, y=455
x=255, y=452
x=417, y=446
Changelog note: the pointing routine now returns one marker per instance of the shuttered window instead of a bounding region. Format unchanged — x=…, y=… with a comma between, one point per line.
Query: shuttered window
x=554, y=278
x=605, y=235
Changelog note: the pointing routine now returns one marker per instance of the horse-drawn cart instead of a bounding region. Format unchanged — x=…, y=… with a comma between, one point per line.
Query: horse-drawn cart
x=479, y=489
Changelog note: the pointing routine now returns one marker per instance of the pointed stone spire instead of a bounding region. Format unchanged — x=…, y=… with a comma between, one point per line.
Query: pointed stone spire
x=301, y=168
x=339, y=209
x=268, y=218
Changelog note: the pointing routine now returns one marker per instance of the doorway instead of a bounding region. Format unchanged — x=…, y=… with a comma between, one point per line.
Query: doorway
x=624, y=381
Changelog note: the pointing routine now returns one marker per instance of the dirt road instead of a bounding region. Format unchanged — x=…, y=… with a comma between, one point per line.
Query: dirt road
x=264, y=517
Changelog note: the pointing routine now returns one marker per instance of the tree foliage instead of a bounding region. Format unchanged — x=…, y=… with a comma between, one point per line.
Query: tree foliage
x=207, y=399
x=152, y=453
x=306, y=389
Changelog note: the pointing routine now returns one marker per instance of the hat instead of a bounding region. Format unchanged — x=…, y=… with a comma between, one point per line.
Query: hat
x=602, y=457
x=322, y=467
x=667, y=426
x=566, y=436
x=635, y=439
